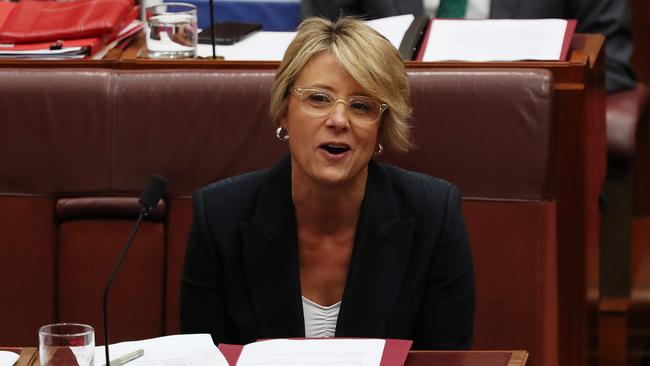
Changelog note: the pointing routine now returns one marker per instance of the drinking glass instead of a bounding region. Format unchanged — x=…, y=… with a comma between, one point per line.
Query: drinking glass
x=171, y=30
x=66, y=344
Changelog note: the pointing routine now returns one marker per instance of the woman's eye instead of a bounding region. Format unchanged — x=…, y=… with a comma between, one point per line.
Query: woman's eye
x=360, y=106
x=319, y=98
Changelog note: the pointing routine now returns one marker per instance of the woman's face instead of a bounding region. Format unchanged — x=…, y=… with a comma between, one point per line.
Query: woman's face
x=329, y=149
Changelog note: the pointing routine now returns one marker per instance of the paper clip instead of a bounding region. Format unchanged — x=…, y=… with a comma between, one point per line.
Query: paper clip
x=56, y=45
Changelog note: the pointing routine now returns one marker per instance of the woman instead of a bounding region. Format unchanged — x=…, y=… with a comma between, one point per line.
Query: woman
x=328, y=241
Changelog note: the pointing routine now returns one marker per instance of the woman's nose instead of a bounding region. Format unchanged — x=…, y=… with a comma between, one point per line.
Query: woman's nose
x=338, y=115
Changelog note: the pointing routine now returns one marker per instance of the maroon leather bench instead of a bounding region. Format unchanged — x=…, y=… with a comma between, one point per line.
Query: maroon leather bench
x=76, y=147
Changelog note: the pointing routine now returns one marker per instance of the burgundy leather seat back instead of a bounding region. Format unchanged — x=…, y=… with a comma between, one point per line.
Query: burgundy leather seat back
x=54, y=139
x=193, y=127
x=488, y=131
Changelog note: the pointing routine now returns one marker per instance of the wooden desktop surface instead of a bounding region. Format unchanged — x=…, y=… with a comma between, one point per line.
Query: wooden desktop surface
x=29, y=357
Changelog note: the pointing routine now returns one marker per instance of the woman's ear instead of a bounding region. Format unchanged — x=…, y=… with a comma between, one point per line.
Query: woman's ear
x=284, y=121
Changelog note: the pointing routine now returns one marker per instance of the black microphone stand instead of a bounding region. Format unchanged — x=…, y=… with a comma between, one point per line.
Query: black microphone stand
x=143, y=213
x=212, y=36
x=148, y=200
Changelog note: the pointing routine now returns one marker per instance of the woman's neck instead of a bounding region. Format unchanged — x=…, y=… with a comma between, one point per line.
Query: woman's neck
x=327, y=209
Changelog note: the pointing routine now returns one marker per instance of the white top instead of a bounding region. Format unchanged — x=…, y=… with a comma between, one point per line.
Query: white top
x=476, y=9
x=320, y=321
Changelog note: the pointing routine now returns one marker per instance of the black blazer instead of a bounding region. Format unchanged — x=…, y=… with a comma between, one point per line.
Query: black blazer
x=410, y=275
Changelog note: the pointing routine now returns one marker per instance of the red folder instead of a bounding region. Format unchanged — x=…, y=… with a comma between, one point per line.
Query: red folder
x=568, y=36
x=395, y=352
x=91, y=45
x=42, y=21
x=5, y=10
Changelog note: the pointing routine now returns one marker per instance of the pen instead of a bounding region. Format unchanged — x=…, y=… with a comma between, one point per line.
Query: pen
x=126, y=358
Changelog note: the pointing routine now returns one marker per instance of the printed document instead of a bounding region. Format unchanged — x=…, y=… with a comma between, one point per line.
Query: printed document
x=495, y=40
x=174, y=350
x=393, y=28
x=270, y=46
x=313, y=352
x=8, y=358
x=260, y=46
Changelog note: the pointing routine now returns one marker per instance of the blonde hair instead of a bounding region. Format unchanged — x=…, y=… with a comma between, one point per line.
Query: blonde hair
x=369, y=58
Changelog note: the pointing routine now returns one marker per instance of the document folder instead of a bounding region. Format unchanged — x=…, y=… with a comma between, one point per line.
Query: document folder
x=72, y=48
x=42, y=21
x=395, y=352
x=489, y=40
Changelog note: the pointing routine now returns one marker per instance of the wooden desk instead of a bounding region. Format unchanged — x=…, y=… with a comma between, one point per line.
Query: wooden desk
x=29, y=357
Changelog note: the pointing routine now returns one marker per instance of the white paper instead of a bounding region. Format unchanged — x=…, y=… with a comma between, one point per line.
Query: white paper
x=8, y=358
x=174, y=350
x=270, y=46
x=260, y=46
x=393, y=28
x=495, y=40
x=313, y=352
x=44, y=51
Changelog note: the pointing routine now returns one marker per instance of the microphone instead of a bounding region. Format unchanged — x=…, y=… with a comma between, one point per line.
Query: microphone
x=152, y=193
x=149, y=198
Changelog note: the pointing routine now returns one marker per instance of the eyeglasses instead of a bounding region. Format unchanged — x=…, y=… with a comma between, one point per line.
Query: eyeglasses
x=319, y=102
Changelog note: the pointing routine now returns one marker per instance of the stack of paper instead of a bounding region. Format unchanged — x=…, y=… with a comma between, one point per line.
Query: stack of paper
x=69, y=49
x=174, y=350
x=497, y=40
x=358, y=352
x=319, y=351
x=198, y=349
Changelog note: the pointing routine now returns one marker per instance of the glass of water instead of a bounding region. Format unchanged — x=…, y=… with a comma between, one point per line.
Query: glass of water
x=171, y=30
x=66, y=344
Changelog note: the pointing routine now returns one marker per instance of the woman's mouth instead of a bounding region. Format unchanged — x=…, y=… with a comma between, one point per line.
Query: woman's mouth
x=335, y=149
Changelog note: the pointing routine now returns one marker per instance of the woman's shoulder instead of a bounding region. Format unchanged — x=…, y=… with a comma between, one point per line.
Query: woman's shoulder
x=420, y=195
x=233, y=188
x=424, y=198
x=418, y=184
